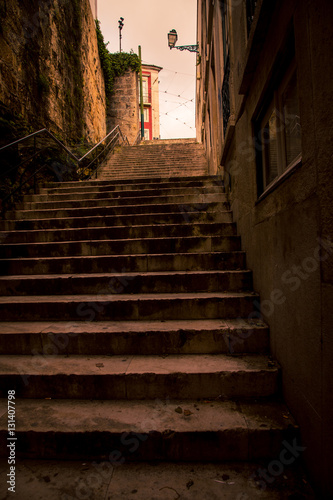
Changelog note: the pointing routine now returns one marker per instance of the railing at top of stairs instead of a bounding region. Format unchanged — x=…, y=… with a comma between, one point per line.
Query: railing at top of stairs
x=138, y=139
x=41, y=150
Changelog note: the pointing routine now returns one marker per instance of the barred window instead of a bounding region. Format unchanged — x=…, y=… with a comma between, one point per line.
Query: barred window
x=279, y=132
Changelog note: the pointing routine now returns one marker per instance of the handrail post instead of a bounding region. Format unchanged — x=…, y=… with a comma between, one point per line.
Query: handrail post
x=141, y=98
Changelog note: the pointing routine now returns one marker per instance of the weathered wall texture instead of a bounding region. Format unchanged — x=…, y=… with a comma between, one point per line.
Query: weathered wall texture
x=93, y=4
x=123, y=107
x=50, y=71
x=288, y=233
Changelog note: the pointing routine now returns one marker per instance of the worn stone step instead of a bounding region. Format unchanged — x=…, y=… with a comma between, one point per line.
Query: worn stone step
x=142, y=200
x=124, y=247
x=127, y=282
x=160, y=158
x=120, y=232
x=115, y=431
x=125, y=307
x=141, y=175
x=145, y=168
x=183, y=208
x=158, y=154
x=119, y=194
x=69, y=479
x=233, y=336
x=190, y=376
x=124, y=263
x=163, y=158
x=116, y=220
x=100, y=186
x=148, y=180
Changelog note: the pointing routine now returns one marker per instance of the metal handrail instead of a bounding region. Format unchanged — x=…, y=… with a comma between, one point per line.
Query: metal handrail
x=34, y=134
x=112, y=138
x=137, y=139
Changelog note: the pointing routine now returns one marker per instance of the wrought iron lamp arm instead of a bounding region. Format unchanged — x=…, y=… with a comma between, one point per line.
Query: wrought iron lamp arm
x=190, y=48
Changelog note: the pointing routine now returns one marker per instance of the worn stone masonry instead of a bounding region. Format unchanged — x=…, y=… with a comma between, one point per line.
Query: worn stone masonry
x=123, y=107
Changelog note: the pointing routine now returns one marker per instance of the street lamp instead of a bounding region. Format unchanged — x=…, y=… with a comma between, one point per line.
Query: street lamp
x=120, y=26
x=172, y=39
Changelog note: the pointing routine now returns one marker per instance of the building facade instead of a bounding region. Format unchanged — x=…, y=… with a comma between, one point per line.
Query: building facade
x=264, y=114
x=150, y=90
x=124, y=105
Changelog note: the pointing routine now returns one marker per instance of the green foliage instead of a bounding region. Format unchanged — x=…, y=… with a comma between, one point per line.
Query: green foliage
x=116, y=64
x=43, y=84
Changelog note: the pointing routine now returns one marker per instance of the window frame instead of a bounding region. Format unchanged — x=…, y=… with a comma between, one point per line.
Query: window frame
x=275, y=102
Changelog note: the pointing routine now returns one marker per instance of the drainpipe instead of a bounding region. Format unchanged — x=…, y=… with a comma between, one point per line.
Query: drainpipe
x=141, y=97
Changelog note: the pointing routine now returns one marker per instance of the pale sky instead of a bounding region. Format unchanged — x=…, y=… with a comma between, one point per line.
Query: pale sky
x=147, y=23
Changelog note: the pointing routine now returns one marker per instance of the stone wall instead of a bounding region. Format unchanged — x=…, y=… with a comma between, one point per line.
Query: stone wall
x=123, y=107
x=50, y=73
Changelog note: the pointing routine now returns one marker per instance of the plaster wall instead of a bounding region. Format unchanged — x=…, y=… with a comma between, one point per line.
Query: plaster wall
x=155, y=103
x=93, y=4
x=287, y=234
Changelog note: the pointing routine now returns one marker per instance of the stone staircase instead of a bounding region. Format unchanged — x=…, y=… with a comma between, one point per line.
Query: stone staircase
x=156, y=159
x=129, y=330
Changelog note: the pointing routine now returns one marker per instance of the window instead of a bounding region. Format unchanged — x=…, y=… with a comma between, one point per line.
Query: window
x=226, y=97
x=250, y=8
x=279, y=132
x=225, y=31
x=145, y=91
x=225, y=91
x=146, y=114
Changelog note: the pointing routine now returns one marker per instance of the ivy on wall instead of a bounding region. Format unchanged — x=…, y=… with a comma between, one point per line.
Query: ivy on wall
x=116, y=64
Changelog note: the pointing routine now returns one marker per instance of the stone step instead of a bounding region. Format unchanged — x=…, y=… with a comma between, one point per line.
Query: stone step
x=116, y=220
x=126, y=307
x=160, y=156
x=233, y=336
x=134, y=201
x=69, y=479
x=190, y=376
x=124, y=263
x=162, y=161
x=141, y=174
x=122, y=247
x=115, y=194
x=124, y=171
x=101, y=186
x=157, y=154
x=138, y=175
x=147, y=181
x=127, y=282
x=124, y=168
x=116, y=431
x=186, y=209
x=159, y=150
x=120, y=232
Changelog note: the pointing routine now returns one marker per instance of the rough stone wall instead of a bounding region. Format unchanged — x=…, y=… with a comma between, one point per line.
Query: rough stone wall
x=123, y=107
x=50, y=73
